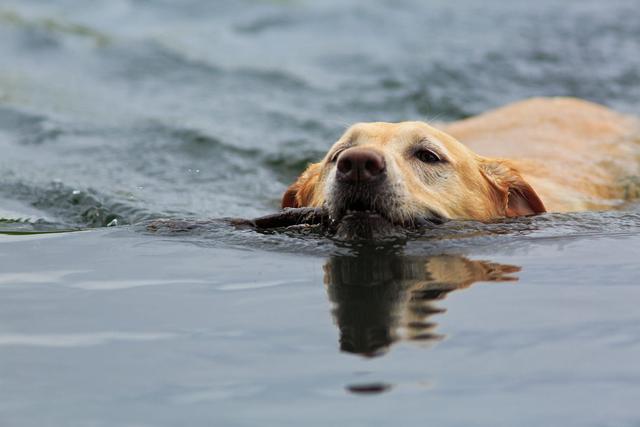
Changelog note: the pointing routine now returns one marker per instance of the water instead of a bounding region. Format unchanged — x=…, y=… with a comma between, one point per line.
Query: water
x=125, y=111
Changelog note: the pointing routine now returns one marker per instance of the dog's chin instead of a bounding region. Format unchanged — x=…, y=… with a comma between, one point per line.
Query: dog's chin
x=360, y=220
x=359, y=209
x=364, y=224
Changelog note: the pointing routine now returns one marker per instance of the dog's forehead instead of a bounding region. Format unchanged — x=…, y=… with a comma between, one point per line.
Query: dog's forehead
x=401, y=133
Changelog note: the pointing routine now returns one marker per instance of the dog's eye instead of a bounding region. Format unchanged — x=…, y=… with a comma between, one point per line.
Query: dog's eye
x=428, y=156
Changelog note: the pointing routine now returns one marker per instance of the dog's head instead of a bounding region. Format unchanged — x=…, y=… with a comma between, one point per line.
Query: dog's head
x=408, y=172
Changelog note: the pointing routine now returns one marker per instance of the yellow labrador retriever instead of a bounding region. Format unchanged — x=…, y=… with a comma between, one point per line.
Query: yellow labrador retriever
x=543, y=154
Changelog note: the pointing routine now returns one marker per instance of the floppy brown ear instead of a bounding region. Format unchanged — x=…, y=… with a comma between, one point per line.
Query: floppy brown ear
x=514, y=195
x=301, y=193
x=522, y=200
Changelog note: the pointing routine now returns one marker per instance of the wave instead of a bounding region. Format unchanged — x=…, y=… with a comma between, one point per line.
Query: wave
x=69, y=208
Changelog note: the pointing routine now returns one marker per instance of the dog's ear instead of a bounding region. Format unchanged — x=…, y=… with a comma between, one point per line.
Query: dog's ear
x=301, y=193
x=513, y=194
x=523, y=201
x=289, y=199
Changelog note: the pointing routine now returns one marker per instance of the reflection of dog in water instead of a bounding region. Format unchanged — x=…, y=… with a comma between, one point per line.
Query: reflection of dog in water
x=380, y=298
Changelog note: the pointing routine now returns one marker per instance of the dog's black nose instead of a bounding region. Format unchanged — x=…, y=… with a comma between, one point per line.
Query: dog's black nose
x=360, y=164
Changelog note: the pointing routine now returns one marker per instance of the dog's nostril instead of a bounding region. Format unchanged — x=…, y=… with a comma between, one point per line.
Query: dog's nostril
x=344, y=165
x=374, y=166
x=369, y=166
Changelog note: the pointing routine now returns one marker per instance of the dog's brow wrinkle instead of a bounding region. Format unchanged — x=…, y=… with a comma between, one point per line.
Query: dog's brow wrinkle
x=429, y=142
x=340, y=147
x=354, y=134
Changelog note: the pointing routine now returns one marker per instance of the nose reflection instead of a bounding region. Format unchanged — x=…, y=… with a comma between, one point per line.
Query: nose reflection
x=380, y=297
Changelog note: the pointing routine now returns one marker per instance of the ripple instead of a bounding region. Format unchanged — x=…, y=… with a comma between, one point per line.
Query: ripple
x=78, y=340
x=30, y=278
x=119, y=284
x=29, y=128
x=73, y=207
x=55, y=27
x=265, y=23
x=256, y=285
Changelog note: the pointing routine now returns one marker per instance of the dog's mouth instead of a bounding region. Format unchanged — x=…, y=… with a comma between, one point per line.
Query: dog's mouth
x=349, y=218
x=356, y=223
x=360, y=208
x=374, y=213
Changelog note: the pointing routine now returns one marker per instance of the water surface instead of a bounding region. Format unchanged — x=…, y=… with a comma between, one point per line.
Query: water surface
x=117, y=113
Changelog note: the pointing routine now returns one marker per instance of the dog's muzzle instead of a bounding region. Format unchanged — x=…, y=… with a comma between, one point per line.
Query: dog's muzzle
x=360, y=177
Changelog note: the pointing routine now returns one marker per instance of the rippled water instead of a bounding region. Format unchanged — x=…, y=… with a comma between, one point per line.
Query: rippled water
x=124, y=111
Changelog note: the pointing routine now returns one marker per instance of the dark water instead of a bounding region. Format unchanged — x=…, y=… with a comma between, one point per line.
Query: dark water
x=118, y=112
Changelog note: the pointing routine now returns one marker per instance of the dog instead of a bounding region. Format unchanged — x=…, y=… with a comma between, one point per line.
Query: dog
x=527, y=158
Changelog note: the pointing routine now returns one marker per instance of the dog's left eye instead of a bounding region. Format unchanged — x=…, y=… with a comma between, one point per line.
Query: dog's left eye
x=427, y=156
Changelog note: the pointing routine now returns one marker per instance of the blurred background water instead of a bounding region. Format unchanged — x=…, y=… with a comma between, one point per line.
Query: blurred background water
x=116, y=112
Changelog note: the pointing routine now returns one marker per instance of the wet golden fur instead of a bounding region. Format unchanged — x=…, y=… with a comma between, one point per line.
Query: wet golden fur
x=542, y=154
